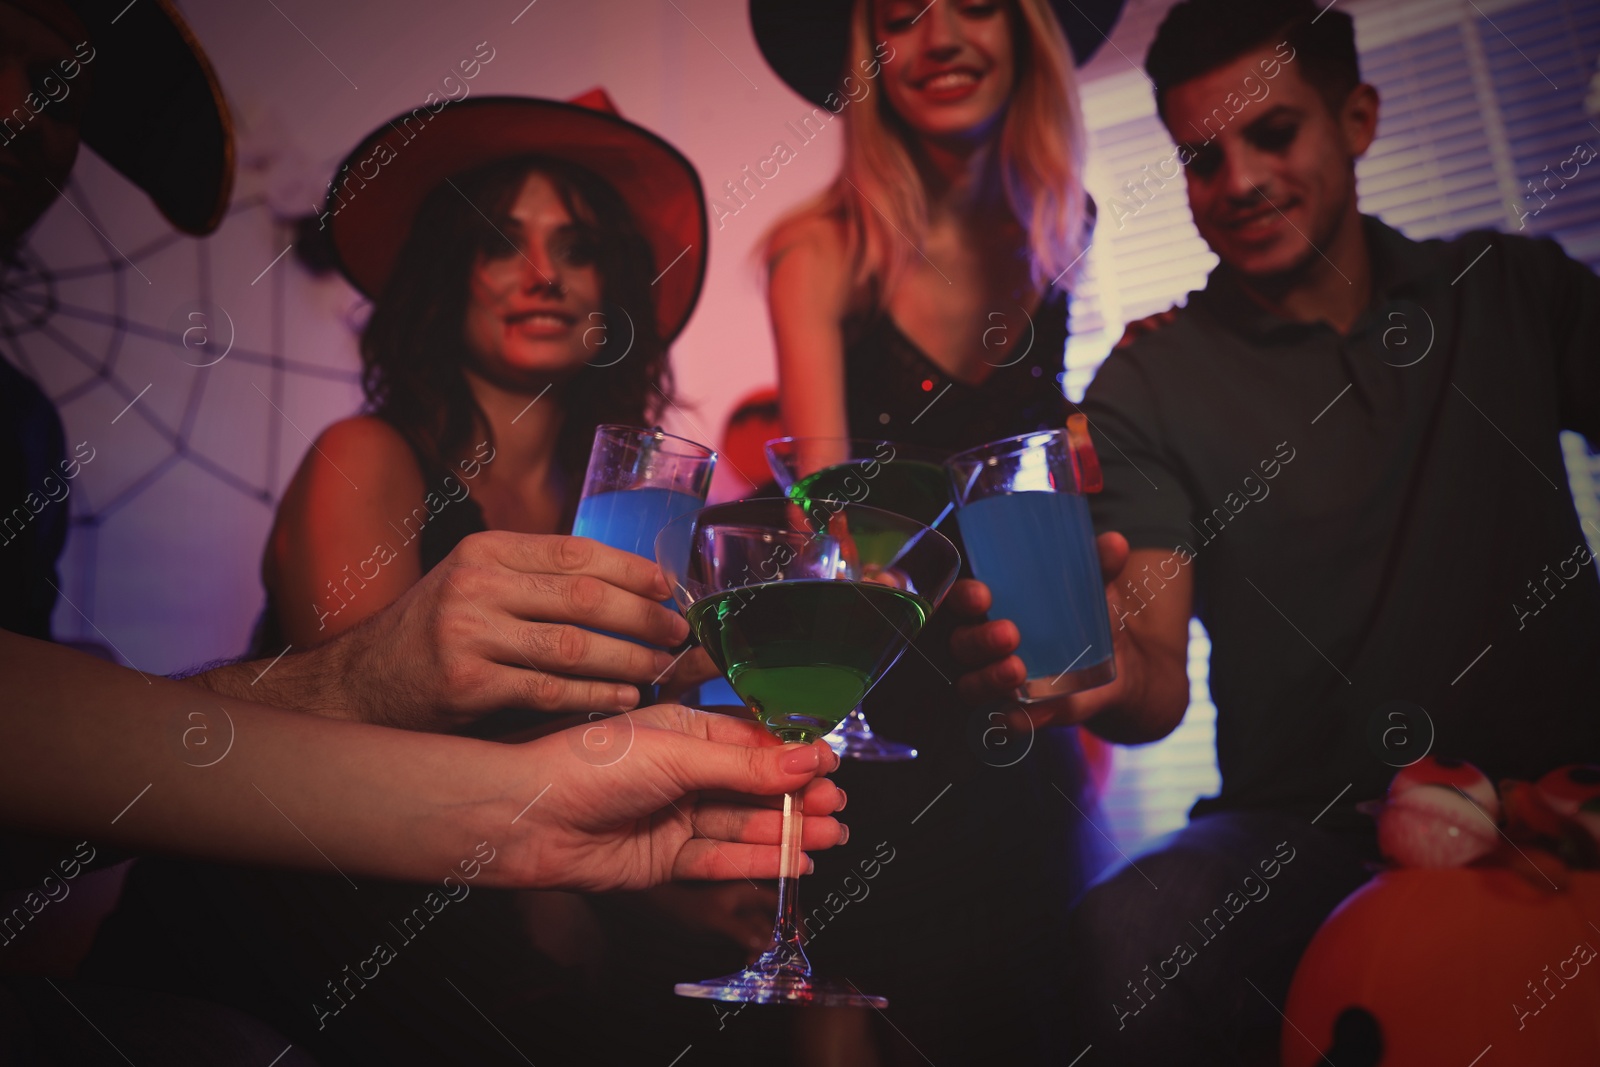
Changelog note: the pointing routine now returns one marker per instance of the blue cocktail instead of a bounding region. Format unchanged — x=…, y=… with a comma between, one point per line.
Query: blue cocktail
x=630, y=519
x=637, y=482
x=1026, y=525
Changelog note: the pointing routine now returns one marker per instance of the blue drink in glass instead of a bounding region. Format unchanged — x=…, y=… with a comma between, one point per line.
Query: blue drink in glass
x=630, y=519
x=1036, y=553
x=1025, y=523
x=637, y=482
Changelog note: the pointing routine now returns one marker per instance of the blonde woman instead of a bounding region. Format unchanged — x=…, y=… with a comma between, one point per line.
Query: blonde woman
x=921, y=299
x=932, y=271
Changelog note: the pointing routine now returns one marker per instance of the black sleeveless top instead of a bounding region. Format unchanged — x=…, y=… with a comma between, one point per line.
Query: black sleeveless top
x=894, y=392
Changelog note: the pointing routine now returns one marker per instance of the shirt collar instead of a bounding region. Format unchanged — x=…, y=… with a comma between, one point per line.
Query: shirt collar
x=1399, y=265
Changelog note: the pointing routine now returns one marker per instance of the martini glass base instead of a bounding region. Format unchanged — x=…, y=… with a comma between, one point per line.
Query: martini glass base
x=753, y=987
x=853, y=739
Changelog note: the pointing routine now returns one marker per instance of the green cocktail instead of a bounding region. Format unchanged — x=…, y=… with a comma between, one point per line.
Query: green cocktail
x=801, y=654
x=819, y=474
x=804, y=606
x=917, y=489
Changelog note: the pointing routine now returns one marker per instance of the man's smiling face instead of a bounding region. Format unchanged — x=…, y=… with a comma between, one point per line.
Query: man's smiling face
x=1272, y=188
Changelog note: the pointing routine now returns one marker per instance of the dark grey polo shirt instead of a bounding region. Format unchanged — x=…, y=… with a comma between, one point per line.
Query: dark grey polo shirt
x=1374, y=518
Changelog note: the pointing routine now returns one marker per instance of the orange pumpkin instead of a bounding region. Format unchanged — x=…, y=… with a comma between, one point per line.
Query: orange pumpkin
x=1426, y=967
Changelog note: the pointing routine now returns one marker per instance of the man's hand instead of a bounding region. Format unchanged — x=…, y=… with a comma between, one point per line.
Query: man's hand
x=505, y=621
x=688, y=672
x=1142, y=327
x=667, y=793
x=1149, y=642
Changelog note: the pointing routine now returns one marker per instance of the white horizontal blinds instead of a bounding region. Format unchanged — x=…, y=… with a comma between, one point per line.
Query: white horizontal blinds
x=1542, y=58
x=1478, y=100
x=1428, y=174
x=1147, y=254
x=1146, y=216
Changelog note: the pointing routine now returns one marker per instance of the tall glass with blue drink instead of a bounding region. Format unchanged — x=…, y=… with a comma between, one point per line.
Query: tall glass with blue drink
x=1025, y=520
x=637, y=482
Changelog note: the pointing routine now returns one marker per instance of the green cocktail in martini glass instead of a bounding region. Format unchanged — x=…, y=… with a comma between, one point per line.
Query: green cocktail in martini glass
x=904, y=479
x=804, y=606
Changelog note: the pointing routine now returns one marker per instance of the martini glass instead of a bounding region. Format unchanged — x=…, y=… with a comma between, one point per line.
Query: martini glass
x=803, y=607
x=901, y=478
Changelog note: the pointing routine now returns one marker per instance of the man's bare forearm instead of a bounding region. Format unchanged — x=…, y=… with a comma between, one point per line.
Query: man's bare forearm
x=312, y=681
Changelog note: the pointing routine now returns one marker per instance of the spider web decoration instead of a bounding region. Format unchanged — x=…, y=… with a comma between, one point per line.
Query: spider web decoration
x=167, y=356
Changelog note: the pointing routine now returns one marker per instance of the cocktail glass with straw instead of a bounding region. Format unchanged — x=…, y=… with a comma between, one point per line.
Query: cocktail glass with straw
x=905, y=479
x=803, y=607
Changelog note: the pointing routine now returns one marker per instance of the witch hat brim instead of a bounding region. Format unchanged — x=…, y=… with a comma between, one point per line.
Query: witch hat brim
x=156, y=110
x=806, y=42
x=380, y=185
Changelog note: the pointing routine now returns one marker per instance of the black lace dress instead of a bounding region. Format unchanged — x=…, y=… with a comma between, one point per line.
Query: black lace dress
x=894, y=392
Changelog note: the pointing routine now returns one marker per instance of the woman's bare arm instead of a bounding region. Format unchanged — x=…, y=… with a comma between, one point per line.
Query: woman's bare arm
x=92, y=750
x=808, y=294
x=344, y=544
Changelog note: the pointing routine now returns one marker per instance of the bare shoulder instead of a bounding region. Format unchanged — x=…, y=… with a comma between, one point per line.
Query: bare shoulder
x=812, y=232
x=365, y=446
x=362, y=436
x=808, y=262
x=355, y=465
x=359, y=472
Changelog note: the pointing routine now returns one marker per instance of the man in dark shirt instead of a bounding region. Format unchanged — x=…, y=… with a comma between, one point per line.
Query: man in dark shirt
x=1343, y=456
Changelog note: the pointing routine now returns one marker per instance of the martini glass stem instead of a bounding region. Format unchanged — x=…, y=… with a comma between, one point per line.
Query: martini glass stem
x=785, y=954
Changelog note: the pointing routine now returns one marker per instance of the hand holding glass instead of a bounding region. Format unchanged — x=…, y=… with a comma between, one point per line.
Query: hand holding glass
x=1025, y=524
x=804, y=609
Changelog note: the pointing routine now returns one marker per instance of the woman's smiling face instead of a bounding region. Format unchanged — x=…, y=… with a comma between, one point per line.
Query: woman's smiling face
x=534, y=303
x=954, y=65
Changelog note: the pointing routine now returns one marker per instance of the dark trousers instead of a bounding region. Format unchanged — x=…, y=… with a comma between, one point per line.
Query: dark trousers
x=1184, y=954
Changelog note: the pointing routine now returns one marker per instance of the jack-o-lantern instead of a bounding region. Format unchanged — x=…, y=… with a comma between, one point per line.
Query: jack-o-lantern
x=1426, y=967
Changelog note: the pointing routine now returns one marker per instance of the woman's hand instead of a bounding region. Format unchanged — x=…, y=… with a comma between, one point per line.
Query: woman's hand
x=663, y=793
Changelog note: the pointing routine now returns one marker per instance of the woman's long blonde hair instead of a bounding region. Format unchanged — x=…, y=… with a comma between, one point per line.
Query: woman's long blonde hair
x=878, y=195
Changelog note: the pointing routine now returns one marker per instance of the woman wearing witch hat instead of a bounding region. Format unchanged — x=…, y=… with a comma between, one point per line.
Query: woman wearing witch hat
x=509, y=246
